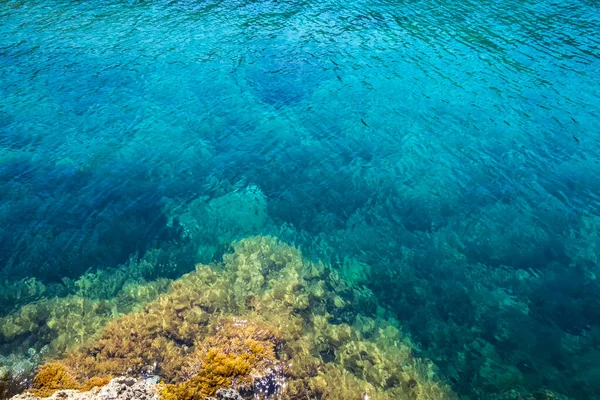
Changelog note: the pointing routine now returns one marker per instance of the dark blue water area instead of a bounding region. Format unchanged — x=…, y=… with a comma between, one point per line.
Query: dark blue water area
x=451, y=147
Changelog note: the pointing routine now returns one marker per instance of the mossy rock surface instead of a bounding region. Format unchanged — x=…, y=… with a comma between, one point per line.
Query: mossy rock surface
x=261, y=322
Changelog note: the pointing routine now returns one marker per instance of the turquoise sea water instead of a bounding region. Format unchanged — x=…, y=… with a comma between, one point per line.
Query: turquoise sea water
x=445, y=155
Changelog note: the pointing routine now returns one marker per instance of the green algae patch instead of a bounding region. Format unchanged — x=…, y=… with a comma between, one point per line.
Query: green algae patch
x=265, y=321
x=62, y=323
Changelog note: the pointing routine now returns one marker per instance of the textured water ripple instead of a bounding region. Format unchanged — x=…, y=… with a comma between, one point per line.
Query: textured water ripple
x=463, y=131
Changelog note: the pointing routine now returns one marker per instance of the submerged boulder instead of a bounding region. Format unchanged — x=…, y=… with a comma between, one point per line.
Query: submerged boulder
x=117, y=389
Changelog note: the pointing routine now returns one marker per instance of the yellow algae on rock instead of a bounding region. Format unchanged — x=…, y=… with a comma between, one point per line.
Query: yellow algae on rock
x=238, y=353
x=267, y=322
x=55, y=376
x=60, y=324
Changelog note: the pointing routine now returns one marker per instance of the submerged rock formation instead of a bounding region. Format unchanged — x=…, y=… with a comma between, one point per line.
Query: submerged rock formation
x=265, y=322
x=122, y=388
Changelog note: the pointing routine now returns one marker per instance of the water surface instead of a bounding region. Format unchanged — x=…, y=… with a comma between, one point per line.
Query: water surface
x=443, y=154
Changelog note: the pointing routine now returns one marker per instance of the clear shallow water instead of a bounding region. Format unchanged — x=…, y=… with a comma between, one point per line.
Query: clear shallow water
x=449, y=149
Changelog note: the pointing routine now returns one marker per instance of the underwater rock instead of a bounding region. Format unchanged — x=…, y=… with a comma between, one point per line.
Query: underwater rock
x=4, y=382
x=117, y=389
x=61, y=323
x=16, y=371
x=265, y=321
x=213, y=223
x=226, y=394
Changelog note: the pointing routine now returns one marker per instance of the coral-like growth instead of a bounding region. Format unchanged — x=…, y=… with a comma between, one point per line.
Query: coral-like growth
x=62, y=323
x=52, y=377
x=56, y=376
x=265, y=320
x=237, y=354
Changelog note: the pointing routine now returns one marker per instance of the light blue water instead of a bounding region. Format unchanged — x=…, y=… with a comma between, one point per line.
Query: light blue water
x=453, y=147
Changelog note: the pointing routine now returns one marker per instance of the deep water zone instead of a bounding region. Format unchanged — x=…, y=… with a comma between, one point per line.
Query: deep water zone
x=361, y=200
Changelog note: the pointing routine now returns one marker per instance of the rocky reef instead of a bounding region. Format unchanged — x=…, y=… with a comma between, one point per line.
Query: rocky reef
x=122, y=388
x=266, y=322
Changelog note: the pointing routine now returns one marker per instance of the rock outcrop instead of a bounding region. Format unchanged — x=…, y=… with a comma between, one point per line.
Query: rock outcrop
x=118, y=389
